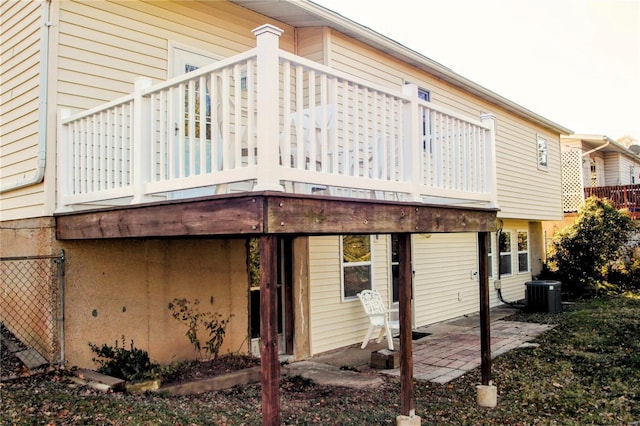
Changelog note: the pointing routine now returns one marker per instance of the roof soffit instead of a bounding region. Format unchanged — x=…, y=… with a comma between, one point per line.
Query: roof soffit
x=304, y=13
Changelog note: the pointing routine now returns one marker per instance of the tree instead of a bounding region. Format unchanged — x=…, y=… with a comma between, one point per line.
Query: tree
x=584, y=253
x=627, y=141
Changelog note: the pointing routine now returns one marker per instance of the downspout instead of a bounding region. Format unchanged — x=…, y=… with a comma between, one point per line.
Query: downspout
x=512, y=304
x=43, y=106
x=606, y=144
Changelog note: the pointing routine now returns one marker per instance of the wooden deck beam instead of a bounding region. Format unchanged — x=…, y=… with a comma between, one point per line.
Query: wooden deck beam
x=260, y=213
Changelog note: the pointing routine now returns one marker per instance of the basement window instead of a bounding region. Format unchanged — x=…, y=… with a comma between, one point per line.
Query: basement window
x=523, y=252
x=356, y=265
x=505, y=252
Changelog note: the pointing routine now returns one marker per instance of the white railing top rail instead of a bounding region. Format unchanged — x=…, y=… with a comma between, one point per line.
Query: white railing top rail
x=175, y=81
x=203, y=71
x=97, y=109
x=398, y=94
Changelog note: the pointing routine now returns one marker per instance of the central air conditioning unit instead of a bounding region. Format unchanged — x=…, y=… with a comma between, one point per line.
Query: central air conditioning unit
x=543, y=296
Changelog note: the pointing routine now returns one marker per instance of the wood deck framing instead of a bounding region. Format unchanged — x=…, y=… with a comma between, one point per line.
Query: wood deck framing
x=269, y=215
x=265, y=213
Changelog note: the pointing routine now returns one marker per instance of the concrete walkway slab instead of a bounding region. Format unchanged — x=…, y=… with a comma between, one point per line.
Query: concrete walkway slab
x=326, y=374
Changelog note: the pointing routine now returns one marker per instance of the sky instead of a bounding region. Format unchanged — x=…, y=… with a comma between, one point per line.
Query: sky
x=574, y=62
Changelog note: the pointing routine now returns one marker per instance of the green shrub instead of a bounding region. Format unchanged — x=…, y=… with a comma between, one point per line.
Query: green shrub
x=131, y=364
x=584, y=254
x=625, y=274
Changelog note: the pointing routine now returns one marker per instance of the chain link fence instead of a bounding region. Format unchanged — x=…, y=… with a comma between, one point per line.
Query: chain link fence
x=31, y=309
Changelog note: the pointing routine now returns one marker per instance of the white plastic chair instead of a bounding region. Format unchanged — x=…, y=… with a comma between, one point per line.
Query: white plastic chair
x=378, y=317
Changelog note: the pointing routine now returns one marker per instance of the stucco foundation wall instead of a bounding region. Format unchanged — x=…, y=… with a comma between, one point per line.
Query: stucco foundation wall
x=123, y=287
x=117, y=288
x=29, y=289
x=28, y=237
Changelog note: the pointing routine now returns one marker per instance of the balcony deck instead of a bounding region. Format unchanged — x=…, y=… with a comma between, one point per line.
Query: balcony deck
x=621, y=196
x=267, y=120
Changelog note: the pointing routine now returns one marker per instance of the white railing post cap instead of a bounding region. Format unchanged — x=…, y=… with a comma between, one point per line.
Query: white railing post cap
x=487, y=116
x=410, y=89
x=267, y=28
x=141, y=83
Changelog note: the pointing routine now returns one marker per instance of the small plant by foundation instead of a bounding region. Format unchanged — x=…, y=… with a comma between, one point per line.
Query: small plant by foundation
x=131, y=364
x=214, y=324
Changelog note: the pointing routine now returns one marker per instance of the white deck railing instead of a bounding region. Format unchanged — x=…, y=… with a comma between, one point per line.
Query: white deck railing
x=267, y=119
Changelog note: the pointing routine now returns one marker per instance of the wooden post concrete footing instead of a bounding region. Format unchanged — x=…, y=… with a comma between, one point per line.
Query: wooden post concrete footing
x=487, y=396
x=408, y=420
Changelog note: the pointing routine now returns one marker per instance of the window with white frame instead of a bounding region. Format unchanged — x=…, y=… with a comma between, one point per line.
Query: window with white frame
x=424, y=94
x=356, y=265
x=523, y=251
x=504, y=246
x=543, y=153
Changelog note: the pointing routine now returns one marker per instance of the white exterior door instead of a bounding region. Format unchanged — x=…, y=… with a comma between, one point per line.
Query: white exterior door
x=181, y=61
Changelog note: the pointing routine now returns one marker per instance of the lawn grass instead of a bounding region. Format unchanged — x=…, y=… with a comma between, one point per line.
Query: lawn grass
x=585, y=371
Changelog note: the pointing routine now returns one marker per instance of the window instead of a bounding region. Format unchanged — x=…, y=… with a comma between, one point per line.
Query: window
x=523, y=251
x=424, y=94
x=543, y=154
x=505, y=252
x=593, y=171
x=356, y=265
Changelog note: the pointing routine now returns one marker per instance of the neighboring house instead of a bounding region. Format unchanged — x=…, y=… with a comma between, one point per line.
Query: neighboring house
x=596, y=165
x=323, y=150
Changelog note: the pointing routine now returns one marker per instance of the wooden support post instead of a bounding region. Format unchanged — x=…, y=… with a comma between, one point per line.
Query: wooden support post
x=485, y=320
x=406, y=343
x=269, y=363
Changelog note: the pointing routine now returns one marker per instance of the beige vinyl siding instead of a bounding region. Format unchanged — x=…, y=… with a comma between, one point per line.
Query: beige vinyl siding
x=524, y=191
x=348, y=55
x=310, y=44
x=104, y=46
x=443, y=285
x=612, y=169
x=335, y=323
x=619, y=169
x=19, y=97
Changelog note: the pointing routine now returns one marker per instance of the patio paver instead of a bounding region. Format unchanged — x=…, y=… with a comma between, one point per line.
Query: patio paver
x=447, y=356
